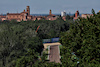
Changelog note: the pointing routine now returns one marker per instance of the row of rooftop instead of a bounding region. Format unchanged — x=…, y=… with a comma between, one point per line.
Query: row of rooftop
x=25, y=15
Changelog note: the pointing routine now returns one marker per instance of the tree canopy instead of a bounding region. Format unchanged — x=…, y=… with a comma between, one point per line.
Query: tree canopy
x=81, y=46
x=21, y=45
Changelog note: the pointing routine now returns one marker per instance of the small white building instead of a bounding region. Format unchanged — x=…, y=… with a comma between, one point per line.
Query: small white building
x=63, y=13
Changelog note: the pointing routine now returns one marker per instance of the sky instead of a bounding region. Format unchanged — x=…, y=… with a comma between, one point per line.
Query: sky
x=43, y=6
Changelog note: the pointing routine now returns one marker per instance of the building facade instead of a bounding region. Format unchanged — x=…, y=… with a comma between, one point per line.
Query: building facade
x=25, y=15
x=2, y=18
x=86, y=15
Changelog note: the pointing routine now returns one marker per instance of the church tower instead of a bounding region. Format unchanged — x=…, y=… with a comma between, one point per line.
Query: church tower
x=50, y=12
x=77, y=14
x=28, y=10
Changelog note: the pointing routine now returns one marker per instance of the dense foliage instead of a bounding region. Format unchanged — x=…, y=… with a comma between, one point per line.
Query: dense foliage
x=81, y=43
x=21, y=45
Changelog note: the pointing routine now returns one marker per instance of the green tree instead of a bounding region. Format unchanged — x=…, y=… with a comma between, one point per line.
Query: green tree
x=82, y=39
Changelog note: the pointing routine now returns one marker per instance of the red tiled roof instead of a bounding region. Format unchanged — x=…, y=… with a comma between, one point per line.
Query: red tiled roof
x=13, y=13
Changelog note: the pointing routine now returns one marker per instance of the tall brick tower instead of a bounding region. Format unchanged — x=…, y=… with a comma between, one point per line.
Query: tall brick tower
x=28, y=10
x=50, y=12
x=77, y=14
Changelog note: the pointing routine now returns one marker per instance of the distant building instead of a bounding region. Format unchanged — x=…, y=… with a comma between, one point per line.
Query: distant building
x=86, y=15
x=64, y=18
x=25, y=15
x=2, y=18
x=63, y=13
x=76, y=15
x=51, y=16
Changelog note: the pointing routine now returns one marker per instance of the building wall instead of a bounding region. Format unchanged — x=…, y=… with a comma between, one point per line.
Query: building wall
x=86, y=15
x=2, y=18
x=28, y=10
x=20, y=16
x=76, y=15
x=9, y=16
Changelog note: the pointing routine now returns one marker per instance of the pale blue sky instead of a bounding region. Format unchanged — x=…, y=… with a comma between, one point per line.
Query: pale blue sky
x=43, y=6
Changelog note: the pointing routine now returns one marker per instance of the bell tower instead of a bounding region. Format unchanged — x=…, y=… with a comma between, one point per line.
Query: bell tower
x=77, y=14
x=28, y=10
x=50, y=12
